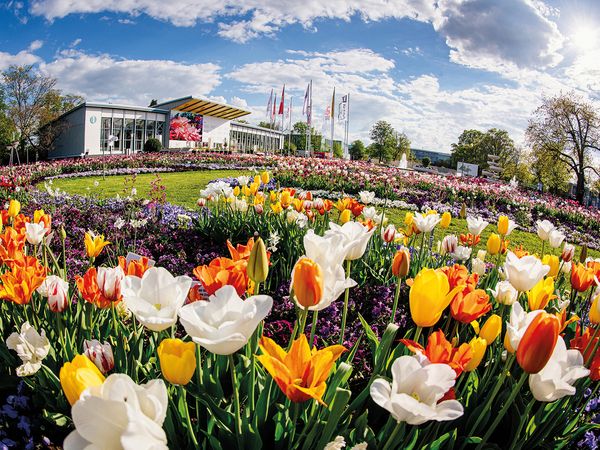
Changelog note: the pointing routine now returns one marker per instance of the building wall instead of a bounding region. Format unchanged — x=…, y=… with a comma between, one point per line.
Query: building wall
x=215, y=130
x=70, y=142
x=93, y=119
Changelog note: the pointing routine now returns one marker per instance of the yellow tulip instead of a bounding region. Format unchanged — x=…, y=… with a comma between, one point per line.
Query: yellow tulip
x=491, y=328
x=236, y=191
x=258, y=262
x=78, y=375
x=94, y=244
x=553, y=262
x=493, y=244
x=273, y=196
x=264, y=177
x=540, y=295
x=507, y=345
x=446, y=219
x=254, y=188
x=259, y=199
x=503, y=225
x=177, y=360
x=478, y=346
x=276, y=207
x=256, y=179
x=246, y=191
x=594, y=314
x=429, y=296
x=345, y=216
x=14, y=208
x=285, y=199
x=409, y=219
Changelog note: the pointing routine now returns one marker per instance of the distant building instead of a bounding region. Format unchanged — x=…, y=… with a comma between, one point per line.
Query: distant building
x=98, y=129
x=435, y=157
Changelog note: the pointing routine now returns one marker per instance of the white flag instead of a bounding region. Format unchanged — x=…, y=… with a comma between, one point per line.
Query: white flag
x=343, y=109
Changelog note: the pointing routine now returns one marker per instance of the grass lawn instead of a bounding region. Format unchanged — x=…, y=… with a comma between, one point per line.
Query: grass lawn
x=183, y=188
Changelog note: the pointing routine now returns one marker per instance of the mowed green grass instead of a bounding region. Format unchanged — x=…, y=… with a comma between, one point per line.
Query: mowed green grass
x=183, y=188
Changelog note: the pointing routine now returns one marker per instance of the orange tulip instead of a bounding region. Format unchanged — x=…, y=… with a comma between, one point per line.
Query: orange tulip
x=25, y=276
x=223, y=271
x=582, y=277
x=595, y=266
x=586, y=345
x=470, y=307
x=469, y=239
x=91, y=291
x=439, y=350
x=401, y=263
x=11, y=246
x=520, y=251
x=285, y=199
x=538, y=342
x=240, y=251
x=300, y=373
x=135, y=267
x=307, y=282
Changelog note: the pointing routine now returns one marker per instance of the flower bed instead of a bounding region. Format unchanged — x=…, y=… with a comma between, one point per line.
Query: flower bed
x=319, y=324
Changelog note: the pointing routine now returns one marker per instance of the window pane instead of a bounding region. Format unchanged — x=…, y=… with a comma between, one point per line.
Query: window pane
x=118, y=133
x=104, y=133
x=139, y=134
x=128, y=135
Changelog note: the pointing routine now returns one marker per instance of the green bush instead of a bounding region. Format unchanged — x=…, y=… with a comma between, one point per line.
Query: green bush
x=152, y=145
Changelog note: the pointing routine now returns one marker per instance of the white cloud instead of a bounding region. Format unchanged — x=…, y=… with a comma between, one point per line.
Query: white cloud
x=132, y=81
x=35, y=45
x=24, y=57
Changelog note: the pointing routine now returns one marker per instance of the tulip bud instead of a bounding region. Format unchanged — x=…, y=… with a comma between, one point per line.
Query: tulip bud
x=478, y=346
x=177, y=360
x=201, y=202
x=257, y=179
x=258, y=262
x=264, y=177
x=401, y=263
x=493, y=244
x=78, y=375
x=100, y=354
x=507, y=345
x=388, y=233
x=307, y=282
x=14, y=207
x=259, y=208
x=63, y=233
x=583, y=254
x=446, y=219
x=236, y=191
x=491, y=328
x=538, y=342
x=463, y=211
x=345, y=216
x=567, y=253
x=58, y=297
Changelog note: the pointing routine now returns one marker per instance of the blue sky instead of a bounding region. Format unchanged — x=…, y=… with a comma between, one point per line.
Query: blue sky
x=430, y=68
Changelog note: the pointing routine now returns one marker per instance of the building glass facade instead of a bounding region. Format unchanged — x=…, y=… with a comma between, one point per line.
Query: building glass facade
x=128, y=135
x=246, y=138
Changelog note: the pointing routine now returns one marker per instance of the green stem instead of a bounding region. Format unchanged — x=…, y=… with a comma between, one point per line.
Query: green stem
x=236, y=401
x=389, y=443
x=313, y=327
x=507, y=404
x=524, y=418
x=396, y=296
x=346, y=298
x=418, y=334
x=188, y=420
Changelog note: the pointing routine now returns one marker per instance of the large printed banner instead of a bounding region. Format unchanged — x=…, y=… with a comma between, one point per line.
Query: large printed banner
x=185, y=126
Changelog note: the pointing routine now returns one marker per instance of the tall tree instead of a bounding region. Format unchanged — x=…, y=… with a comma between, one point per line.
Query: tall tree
x=553, y=174
x=357, y=150
x=568, y=128
x=299, y=131
x=382, y=135
x=401, y=145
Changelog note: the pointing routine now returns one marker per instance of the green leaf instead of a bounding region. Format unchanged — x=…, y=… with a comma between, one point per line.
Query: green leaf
x=340, y=401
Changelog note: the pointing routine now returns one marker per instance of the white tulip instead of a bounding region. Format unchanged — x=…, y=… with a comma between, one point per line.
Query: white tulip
x=449, y=244
x=478, y=267
x=426, y=222
x=156, y=298
x=48, y=281
x=566, y=267
x=476, y=225
x=518, y=323
x=556, y=379
x=415, y=391
x=356, y=238
x=462, y=253
x=120, y=414
x=505, y=293
x=110, y=281
x=32, y=347
x=481, y=254
x=243, y=180
x=524, y=273
x=555, y=238
x=217, y=189
x=544, y=227
x=225, y=322
x=329, y=252
x=367, y=197
x=34, y=233
x=240, y=205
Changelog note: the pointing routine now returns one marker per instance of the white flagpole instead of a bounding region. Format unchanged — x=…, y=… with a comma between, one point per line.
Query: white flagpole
x=309, y=121
x=290, y=126
x=332, y=118
x=346, y=152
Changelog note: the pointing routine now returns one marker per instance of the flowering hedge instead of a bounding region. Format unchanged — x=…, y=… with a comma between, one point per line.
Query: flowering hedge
x=319, y=326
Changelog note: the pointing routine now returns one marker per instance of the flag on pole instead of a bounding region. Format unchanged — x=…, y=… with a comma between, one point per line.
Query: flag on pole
x=343, y=109
x=282, y=103
x=273, y=111
x=269, y=104
x=306, y=108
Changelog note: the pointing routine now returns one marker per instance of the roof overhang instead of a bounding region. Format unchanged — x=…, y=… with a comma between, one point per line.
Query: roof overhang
x=204, y=107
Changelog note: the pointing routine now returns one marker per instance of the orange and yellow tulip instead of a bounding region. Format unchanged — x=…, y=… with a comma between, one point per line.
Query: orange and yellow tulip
x=301, y=373
x=587, y=344
x=582, y=277
x=470, y=307
x=401, y=263
x=24, y=277
x=220, y=272
x=135, y=267
x=538, y=342
x=307, y=282
x=11, y=246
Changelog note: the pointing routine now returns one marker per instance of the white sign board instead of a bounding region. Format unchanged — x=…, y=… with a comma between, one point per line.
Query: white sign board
x=467, y=169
